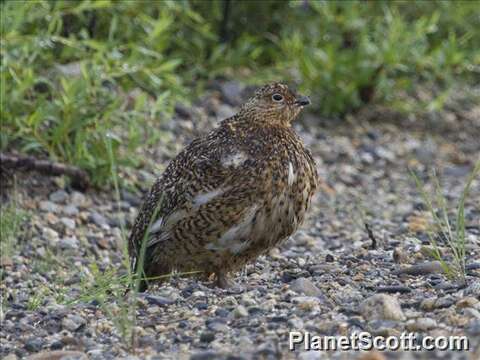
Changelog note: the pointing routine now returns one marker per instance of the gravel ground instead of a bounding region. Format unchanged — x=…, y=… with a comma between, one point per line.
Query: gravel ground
x=332, y=277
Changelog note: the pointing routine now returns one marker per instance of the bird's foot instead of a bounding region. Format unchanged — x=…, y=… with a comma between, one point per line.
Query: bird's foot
x=224, y=282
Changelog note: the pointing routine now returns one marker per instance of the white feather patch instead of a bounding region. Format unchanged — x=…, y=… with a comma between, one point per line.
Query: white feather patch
x=175, y=217
x=156, y=226
x=235, y=238
x=235, y=159
x=164, y=225
x=291, y=174
x=204, y=198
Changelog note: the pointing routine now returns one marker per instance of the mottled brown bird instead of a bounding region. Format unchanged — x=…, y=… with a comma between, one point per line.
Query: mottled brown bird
x=230, y=196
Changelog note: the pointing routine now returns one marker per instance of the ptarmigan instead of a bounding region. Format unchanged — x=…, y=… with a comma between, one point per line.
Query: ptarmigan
x=230, y=196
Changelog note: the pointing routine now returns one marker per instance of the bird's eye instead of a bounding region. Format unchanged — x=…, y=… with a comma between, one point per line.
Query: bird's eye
x=277, y=97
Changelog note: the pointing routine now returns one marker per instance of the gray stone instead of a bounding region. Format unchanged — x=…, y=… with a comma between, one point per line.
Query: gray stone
x=240, y=311
x=59, y=196
x=384, y=327
x=426, y=153
x=131, y=198
x=207, y=336
x=232, y=92
x=183, y=111
x=78, y=199
x=117, y=221
x=472, y=313
x=247, y=300
x=70, y=242
x=98, y=219
x=207, y=355
x=431, y=267
x=146, y=176
x=159, y=300
x=428, y=304
x=59, y=355
x=473, y=327
x=306, y=303
x=95, y=354
x=34, y=344
x=69, y=223
x=225, y=111
x=50, y=235
x=217, y=325
x=312, y=355
x=70, y=210
x=147, y=340
x=444, y=302
x=473, y=289
x=305, y=286
x=41, y=251
x=73, y=322
x=295, y=323
x=382, y=307
x=422, y=324
x=48, y=206
x=386, y=154
x=458, y=171
x=11, y=356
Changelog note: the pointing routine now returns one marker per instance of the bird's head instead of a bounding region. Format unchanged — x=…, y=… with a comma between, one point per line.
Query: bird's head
x=275, y=103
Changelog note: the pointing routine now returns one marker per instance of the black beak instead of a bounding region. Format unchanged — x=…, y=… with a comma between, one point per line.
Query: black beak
x=302, y=101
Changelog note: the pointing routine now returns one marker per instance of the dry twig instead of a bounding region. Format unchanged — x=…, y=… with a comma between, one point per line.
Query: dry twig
x=79, y=177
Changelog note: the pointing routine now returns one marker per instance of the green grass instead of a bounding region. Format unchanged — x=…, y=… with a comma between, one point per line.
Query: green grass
x=11, y=231
x=37, y=298
x=74, y=72
x=117, y=293
x=453, y=234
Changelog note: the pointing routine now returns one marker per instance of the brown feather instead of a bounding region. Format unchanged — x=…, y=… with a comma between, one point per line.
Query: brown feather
x=231, y=195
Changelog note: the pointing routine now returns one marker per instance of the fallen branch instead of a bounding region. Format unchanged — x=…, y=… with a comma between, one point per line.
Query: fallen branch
x=79, y=177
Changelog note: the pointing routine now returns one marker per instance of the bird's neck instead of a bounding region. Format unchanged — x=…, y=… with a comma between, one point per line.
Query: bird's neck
x=262, y=119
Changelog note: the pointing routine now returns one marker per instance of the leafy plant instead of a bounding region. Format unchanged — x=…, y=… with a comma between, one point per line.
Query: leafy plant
x=360, y=52
x=65, y=88
x=73, y=71
x=452, y=233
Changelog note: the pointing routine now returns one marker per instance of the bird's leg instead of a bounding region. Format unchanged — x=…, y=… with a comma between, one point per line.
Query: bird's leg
x=223, y=280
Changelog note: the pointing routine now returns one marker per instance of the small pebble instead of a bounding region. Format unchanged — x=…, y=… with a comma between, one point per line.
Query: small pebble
x=240, y=311
x=421, y=324
x=207, y=336
x=59, y=196
x=73, y=322
x=70, y=242
x=34, y=344
x=98, y=219
x=383, y=307
x=69, y=223
x=48, y=206
x=432, y=267
x=305, y=286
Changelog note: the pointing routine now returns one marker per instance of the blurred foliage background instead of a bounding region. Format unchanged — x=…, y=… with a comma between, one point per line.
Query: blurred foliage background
x=68, y=67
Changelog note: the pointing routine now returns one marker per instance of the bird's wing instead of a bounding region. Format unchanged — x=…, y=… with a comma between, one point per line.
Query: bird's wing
x=208, y=169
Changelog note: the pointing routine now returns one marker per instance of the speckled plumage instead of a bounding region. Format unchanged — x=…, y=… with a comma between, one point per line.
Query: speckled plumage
x=229, y=196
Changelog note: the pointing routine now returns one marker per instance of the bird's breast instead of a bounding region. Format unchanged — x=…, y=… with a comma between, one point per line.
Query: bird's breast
x=283, y=209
